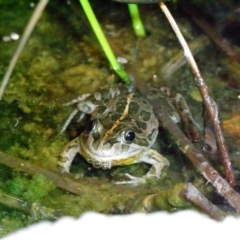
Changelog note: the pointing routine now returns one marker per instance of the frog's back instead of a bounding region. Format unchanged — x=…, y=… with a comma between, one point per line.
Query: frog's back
x=128, y=109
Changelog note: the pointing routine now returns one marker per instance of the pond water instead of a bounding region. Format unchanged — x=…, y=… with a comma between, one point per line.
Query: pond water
x=62, y=60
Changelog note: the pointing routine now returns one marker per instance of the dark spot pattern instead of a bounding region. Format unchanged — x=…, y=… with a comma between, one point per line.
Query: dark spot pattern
x=144, y=115
x=141, y=125
x=121, y=104
x=133, y=108
x=150, y=136
x=101, y=109
x=141, y=142
x=115, y=116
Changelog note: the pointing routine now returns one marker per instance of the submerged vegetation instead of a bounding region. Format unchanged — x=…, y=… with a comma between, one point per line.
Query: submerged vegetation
x=62, y=60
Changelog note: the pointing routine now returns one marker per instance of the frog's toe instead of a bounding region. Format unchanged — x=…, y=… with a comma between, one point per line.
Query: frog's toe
x=135, y=181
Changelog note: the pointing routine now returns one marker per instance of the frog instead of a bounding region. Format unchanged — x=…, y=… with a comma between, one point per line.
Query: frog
x=122, y=130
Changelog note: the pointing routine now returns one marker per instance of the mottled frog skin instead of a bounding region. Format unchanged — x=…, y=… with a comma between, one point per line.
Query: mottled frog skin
x=121, y=131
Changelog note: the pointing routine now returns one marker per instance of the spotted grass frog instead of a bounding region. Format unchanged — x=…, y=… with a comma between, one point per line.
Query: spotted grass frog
x=121, y=131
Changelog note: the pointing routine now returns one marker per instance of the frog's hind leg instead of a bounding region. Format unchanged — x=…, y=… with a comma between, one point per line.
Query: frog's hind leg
x=67, y=155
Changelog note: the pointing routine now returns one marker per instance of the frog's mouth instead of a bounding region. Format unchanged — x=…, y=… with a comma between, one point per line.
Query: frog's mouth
x=107, y=161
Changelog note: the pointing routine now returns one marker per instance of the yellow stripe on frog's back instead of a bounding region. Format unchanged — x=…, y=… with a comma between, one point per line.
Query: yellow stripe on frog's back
x=124, y=114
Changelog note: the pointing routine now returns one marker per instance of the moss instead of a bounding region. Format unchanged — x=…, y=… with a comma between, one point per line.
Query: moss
x=38, y=188
x=31, y=189
x=11, y=222
x=17, y=185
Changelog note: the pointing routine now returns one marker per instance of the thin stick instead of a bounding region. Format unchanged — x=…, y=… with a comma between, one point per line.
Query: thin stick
x=65, y=181
x=14, y=202
x=136, y=20
x=224, y=45
x=35, y=210
x=193, y=195
x=103, y=41
x=208, y=103
x=180, y=196
x=27, y=32
x=189, y=150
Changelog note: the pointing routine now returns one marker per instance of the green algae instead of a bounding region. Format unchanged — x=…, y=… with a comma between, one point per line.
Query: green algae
x=33, y=189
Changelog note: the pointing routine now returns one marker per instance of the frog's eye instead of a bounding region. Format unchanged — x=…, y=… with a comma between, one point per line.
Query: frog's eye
x=129, y=136
x=89, y=126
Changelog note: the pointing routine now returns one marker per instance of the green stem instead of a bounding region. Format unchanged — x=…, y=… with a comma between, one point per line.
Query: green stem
x=103, y=41
x=136, y=20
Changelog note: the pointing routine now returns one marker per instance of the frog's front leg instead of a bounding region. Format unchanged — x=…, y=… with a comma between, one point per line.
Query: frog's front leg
x=153, y=158
x=157, y=161
x=67, y=154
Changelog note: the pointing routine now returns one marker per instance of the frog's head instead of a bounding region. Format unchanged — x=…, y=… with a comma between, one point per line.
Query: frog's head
x=119, y=131
x=111, y=143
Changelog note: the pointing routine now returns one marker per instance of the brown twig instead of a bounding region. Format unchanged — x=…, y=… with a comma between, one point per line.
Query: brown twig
x=35, y=210
x=194, y=155
x=224, y=45
x=211, y=110
x=14, y=202
x=96, y=190
x=183, y=194
x=191, y=194
x=65, y=181
x=213, y=116
x=178, y=60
